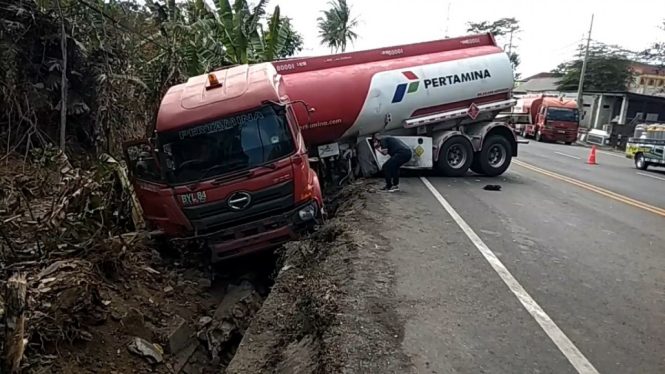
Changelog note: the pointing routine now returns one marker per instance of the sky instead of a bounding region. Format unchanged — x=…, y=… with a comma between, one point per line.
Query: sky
x=552, y=30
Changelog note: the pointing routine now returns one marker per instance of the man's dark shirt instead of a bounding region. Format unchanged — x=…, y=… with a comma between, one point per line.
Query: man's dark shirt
x=394, y=146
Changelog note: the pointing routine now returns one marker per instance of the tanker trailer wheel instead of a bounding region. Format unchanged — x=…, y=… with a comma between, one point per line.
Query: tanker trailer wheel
x=475, y=165
x=495, y=156
x=455, y=157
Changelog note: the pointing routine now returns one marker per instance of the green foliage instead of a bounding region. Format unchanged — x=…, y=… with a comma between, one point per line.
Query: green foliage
x=337, y=27
x=294, y=41
x=505, y=30
x=122, y=56
x=608, y=69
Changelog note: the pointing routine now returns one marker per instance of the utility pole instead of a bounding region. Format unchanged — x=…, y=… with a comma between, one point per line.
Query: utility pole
x=580, y=88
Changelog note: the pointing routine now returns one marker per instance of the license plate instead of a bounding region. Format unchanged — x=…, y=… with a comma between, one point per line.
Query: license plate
x=562, y=132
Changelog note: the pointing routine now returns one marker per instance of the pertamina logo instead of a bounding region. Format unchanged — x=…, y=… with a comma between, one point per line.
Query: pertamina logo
x=435, y=82
x=401, y=89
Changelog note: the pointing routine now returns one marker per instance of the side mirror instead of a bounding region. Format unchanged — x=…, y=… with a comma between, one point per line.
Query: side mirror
x=307, y=108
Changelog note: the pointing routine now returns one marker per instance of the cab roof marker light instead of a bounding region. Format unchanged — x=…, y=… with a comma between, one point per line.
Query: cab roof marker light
x=213, y=82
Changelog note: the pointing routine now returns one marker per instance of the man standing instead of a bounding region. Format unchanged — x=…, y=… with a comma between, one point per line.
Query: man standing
x=399, y=154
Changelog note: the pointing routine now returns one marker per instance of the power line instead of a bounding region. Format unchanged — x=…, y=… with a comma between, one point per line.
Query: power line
x=617, y=49
x=565, y=50
x=117, y=23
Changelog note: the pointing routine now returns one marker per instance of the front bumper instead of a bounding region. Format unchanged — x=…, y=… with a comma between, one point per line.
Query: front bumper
x=555, y=135
x=265, y=234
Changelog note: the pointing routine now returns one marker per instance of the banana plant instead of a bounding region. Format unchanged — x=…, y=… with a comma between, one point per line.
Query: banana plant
x=267, y=46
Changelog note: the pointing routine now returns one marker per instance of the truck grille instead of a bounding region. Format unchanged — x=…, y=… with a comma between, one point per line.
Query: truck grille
x=264, y=203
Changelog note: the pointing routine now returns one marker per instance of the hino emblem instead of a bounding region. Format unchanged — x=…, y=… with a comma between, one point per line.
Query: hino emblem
x=239, y=200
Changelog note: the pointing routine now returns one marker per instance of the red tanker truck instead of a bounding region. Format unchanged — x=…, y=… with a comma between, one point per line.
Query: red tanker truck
x=550, y=118
x=233, y=156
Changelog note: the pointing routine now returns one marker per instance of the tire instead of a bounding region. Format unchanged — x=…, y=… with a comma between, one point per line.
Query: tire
x=539, y=136
x=568, y=143
x=475, y=164
x=640, y=163
x=491, y=163
x=455, y=157
x=523, y=132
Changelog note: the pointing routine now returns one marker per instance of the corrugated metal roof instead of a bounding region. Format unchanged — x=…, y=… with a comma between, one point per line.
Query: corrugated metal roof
x=538, y=85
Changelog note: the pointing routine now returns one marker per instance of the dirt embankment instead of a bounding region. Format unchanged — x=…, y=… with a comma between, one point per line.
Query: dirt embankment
x=330, y=309
x=101, y=299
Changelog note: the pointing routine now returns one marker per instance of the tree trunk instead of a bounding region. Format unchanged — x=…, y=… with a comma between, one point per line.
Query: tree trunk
x=63, y=82
x=14, y=323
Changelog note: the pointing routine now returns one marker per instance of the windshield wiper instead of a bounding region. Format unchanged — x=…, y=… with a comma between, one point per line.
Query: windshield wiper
x=271, y=165
x=208, y=170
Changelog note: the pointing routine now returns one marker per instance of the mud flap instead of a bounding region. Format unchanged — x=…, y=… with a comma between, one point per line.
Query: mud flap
x=366, y=158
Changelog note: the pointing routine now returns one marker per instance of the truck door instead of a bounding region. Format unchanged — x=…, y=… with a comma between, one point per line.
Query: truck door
x=542, y=112
x=147, y=178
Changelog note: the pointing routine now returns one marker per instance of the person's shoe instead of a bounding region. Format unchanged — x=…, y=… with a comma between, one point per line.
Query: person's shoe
x=387, y=189
x=395, y=188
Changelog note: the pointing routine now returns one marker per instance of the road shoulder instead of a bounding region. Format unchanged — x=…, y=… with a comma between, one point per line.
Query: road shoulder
x=332, y=307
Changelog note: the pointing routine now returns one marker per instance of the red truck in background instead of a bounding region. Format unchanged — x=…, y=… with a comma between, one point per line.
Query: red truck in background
x=550, y=118
x=229, y=160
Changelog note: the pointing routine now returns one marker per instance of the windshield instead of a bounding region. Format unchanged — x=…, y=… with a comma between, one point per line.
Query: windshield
x=227, y=145
x=563, y=115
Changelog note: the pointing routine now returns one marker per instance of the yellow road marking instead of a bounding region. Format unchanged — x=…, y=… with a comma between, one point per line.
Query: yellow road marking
x=598, y=190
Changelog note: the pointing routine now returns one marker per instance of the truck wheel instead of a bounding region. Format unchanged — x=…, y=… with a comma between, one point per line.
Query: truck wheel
x=455, y=157
x=539, y=136
x=523, y=132
x=640, y=163
x=495, y=156
x=475, y=165
x=568, y=143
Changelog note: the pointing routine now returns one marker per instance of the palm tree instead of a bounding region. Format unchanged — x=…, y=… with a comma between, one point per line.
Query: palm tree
x=336, y=27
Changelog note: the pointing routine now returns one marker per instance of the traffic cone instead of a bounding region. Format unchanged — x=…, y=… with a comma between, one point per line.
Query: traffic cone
x=592, y=156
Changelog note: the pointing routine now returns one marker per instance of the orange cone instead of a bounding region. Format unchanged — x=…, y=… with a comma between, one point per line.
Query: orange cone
x=592, y=156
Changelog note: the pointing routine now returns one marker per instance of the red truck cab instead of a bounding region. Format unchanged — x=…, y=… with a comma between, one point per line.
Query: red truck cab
x=227, y=164
x=551, y=119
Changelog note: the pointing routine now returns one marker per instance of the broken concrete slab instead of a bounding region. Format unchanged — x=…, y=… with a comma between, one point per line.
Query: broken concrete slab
x=184, y=355
x=145, y=349
x=177, y=335
x=240, y=304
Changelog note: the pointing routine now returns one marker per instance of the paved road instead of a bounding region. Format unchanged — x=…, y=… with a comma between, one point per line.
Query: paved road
x=548, y=276
x=613, y=172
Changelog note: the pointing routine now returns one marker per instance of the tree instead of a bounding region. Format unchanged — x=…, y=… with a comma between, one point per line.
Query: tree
x=655, y=54
x=337, y=27
x=505, y=30
x=294, y=41
x=237, y=33
x=608, y=69
x=122, y=56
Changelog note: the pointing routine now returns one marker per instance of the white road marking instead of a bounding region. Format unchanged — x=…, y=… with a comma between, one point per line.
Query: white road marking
x=650, y=176
x=567, y=155
x=574, y=356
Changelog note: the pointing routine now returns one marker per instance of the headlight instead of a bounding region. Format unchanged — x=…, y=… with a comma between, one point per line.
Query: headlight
x=307, y=213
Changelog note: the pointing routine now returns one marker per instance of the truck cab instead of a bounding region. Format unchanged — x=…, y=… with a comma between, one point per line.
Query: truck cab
x=551, y=119
x=227, y=164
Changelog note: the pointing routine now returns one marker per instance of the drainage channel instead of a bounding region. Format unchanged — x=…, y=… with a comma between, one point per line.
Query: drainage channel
x=242, y=287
